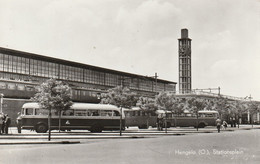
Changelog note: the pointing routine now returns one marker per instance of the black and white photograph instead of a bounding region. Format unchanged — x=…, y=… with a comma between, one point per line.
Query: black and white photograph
x=129, y=81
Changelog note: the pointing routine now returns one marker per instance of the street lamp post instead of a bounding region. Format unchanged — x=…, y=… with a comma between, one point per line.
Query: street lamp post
x=248, y=111
x=1, y=103
x=121, y=110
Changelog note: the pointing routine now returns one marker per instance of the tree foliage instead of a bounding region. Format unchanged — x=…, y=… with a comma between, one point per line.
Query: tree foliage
x=120, y=96
x=53, y=94
x=222, y=105
x=196, y=104
x=147, y=104
x=254, y=107
x=169, y=102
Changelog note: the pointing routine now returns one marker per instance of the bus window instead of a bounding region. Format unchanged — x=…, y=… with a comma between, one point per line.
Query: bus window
x=116, y=113
x=106, y=113
x=209, y=115
x=29, y=111
x=68, y=112
x=41, y=112
x=80, y=112
x=127, y=113
x=94, y=112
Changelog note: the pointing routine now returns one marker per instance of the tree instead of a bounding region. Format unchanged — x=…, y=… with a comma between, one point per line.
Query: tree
x=53, y=95
x=147, y=105
x=121, y=97
x=168, y=102
x=237, y=109
x=197, y=104
x=253, y=108
x=222, y=105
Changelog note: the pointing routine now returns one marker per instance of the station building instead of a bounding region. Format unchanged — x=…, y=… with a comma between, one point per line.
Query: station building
x=21, y=71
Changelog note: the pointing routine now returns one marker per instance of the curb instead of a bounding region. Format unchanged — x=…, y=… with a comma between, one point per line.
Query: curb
x=69, y=137
x=40, y=142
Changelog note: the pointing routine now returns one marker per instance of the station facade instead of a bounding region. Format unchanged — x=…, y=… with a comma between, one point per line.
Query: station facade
x=21, y=71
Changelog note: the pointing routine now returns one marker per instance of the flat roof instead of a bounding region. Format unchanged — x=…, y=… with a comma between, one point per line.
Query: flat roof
x=75, y=64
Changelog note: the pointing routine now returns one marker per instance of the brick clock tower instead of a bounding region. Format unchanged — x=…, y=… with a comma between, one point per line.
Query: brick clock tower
x=184, y=62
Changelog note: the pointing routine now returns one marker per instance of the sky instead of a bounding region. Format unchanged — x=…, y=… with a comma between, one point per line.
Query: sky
x=141, y=37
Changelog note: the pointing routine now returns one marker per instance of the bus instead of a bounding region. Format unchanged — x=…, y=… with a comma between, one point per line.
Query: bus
x=188, y=119
x=143, y=119
x=80, y=116
x=140, y=118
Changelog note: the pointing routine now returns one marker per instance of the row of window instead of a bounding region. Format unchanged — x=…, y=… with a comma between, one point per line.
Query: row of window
x=185, y=73
x=184, y=42
x=185, y=80
x=204, y=115
x=138, y=113
x=185, y=67
x=185, y=61
x=70, y=112
x=28, y=87
x=13, y=86
x=32, y=67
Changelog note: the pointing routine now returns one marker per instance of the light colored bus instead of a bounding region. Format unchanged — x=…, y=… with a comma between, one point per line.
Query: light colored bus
x=84, y=116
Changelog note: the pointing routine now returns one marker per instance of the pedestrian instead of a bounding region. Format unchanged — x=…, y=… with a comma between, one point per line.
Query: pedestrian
x=3, y=125
x=234, y=121
x=231, y=121
x=218, y=123
x=160, y=122
x=224, y=125
x=7, y=123
x=1, y=122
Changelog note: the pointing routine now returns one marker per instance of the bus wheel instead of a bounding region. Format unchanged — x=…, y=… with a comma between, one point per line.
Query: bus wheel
x=41, y=128
x=96, y=128
x=202, y=125
x=143, y=127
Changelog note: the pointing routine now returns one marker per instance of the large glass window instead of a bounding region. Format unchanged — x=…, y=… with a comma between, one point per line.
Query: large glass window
x=112, y=79
x=2, y=85
x=160, y=87
x=11, y=86
x=134, y=83
x=1, y=62
x=145, y=85
x=20, y=87
x=22, y=65
x=6, y=63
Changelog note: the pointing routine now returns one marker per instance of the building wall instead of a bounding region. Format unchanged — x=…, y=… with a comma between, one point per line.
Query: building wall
x=15, y=66
x=21, y=72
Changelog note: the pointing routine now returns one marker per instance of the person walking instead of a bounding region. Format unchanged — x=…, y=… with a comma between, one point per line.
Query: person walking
x=7, y=123
x=231, y=122
x=3, y=125
x=1, y=122
x=218, y=123
x=224, y=125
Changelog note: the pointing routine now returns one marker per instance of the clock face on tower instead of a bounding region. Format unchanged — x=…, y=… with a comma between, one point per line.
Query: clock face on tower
x=182, y=50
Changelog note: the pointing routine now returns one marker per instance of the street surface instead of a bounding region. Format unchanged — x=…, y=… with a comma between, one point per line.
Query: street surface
x=239, y=146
